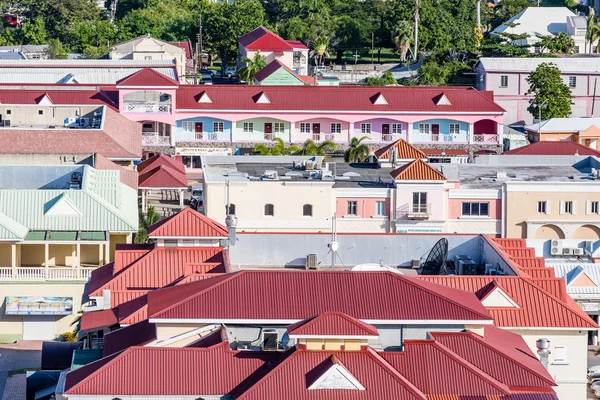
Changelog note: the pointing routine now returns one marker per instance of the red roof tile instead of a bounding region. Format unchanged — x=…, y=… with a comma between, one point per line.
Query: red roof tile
x=158, y=160
x=128, y=177
x=330, y=98
x=163, y=177
x=538, y=308
x=185, y=46
x=148, y=371
x=147, y=77
x=332, y=324
x=547, y=148
x=188, y=223
x=417, y=170
x=500, y=354
x=420, y=357
x=404, y=151
x=278, y=295
x=263, y=39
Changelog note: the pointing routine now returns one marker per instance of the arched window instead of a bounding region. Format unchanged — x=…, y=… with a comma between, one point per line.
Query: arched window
x=307, y=210
x=231, y=210
x=269, y=210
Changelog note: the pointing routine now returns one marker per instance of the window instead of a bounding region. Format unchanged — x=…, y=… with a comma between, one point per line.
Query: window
x=576, y=50
x=537, y=49
x=454, y=129
x=270, y=339
x=593, y=207
x=9, y=112
x=147, y=57
x=396, y=129
x=365, y=128
x=231, y=210
x=218, y=127
x=419, y=203
x=542, y=207
x=248, y=127
x=305, y=127
x=504, y=81
x=351, y=208
x=307, y=210
x=269, y=210
x=41, y=112
x=560, y=355
x=336, y=128
x=572, y=81
x=278, y=127
x=424, y=128
x=187, y=126
x=568, y=207
x=380, y=208
x=475, y=209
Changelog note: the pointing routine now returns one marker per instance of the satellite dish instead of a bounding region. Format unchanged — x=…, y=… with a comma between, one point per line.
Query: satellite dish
x=333, y=246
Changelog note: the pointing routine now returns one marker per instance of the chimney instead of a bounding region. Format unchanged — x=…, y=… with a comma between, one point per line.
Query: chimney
x=543, y=346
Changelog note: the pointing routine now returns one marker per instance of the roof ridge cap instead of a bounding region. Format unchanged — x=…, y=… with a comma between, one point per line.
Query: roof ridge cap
x=395, y=373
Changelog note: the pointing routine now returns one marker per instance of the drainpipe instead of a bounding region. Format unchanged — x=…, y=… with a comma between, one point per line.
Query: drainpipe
x=543, y=346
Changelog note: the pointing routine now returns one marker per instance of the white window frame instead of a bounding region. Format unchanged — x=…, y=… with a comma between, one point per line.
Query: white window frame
x=420, y=205
x=218, y=127
x=380, y=208
x=592, y=207
x=365, y=128
x=503, y=81
x=336, y=127
x=248, y=127
x=543, y=207
x=278, y=127
x=396, y=129
x=454, y=129
x=352, y=204
x=425, y=128
x=188, y=126
x=572, y=82
x=304, y=127
x=568, y=207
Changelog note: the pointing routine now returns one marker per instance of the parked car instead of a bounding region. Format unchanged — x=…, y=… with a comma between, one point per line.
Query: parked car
x=595, y=376
x=594, y=369
x=230, y=71
x=206, y=74
x=197, y=192
x=319, y=69
x=197, y=205
x=595, y=385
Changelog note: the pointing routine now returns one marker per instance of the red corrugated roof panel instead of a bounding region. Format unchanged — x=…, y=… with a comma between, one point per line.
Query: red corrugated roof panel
x=148, y=77
x=332, y=324
x=404, y=151
x=547, y=148
x=188, y=223
x=133, y=335
x=417, y=170
x=62, y=96
x=162, y=177
x=125, y=254
x=281, y=295
x=93, y=319
x=158, y=160
x=263, y=39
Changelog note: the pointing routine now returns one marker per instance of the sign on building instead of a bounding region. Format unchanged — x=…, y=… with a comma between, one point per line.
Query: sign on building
x=32, y=305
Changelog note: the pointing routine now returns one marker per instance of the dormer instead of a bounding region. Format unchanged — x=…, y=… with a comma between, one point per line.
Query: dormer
x=62, y=206
x=493, y=296
x=331, y=374
x=442, y=100
x=204, y=98
x=379, y=100
x=577, y=277
x=261, y=98
x=44, y=100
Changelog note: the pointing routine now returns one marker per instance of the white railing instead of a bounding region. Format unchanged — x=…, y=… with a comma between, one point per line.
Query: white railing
x=269, y=137
x=211, y=136
x=86, y=273
x=39, y=273
x=146, y=107
x=316, y=137
x=330, y=137
x=5, y=273
x=441, y=138
x=153, y=138
x=482, y=138
x=62, y=273
x=386, y=137
x=31, y=273
x=420, y=211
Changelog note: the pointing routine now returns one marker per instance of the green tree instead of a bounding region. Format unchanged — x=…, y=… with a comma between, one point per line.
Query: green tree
x=34, y=31
x=150, y=218
x=319, y=50
x=496, y=46
x=310, y=148
x=92, y=38
x=385, y=80
x=56, y=50
x=402, y=39
x=277, y=149
x=561, y=43
x=440, y=73
x=164, y=19
x=551, y=96
x=350, y=33
x=592, y=33
x=357, y=151
x=251, y=67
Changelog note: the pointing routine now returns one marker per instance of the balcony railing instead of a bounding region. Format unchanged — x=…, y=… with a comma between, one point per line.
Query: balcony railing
x=414, y=211
x=269, y=137
x=146, y=107
x=154, y=139
x=41, y=273
x=330, y=137
x=483, y=138
x=386, y=137
x=316, y=137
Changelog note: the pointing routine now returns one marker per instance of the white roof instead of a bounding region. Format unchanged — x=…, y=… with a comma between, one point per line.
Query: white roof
x=591, y=270
x=577, y=65
x=564, y=124
x=146, y=43
x=537, y=21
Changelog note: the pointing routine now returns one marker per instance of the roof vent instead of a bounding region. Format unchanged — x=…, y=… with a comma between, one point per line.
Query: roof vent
x=501, y=175
x=270, y=174
x=261, y=98
x=203, y=98
x=442, y=100
x=379, y=100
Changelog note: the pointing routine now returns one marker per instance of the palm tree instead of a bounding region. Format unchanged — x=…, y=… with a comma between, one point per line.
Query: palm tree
x=150, y=218
x=402, y=43
x=319, y=51
x=592, y=33
x=310, y=148
x=278, y=148
x=251, y=67
x=416, y=30
x=357, y=151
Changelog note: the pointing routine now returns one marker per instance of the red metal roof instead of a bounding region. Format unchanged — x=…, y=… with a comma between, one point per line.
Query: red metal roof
x=332, y=324
x=538, y=308
x=93, y=319
x=161, y=370
x=185, y=46
x=133, y=335
x=335, y=98
x=499, y=353
x=125, y=254
x=404, y=151
x=61, y=95
x=548, y=148
x=158, y=160
x=188, y=223
x=297, y=44
x=421, y=357
x=128, y=177
x=148, y=77
x=162, y=177
x=417, y=170
x=281, y=295
x=264, y=40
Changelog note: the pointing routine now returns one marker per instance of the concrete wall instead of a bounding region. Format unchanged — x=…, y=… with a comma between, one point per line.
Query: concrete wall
x=46, y=159
x=287, y=249
x=50, y=115
x=32, y=255
x=5, y=255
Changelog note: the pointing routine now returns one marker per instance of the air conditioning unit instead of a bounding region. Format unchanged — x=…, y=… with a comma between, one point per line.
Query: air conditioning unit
x=577, y=251
x=310, y=165
x=311, y=261
x=270, y=174
x=556, y=248
x=325, y=173
x=84, y=122
x=567, y=251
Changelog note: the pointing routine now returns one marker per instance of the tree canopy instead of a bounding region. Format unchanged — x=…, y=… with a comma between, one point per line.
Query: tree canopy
x=551, y=96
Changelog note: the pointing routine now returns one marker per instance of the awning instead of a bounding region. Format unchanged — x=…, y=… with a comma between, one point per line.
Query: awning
x=92, y=235
x=62, y=235
x=36, y=235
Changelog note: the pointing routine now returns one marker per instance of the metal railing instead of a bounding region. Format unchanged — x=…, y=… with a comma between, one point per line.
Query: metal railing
x=330, y=137
x=441, y=138
x=153, y=138
x=415, y=210
x=316, y=137
x=387, y=137
x=269, y=137
x=146, y=107
x=485, y=138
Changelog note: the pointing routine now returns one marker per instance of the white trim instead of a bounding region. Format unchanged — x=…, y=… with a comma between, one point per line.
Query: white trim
x=201, y=110
x=366, y=337
x=293, y=321
x=491, y=194
x=336, y=369
x=188, y=237
x=174, y=339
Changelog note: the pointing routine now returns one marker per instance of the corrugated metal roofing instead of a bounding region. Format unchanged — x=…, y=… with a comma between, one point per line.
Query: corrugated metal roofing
x=133, y=335
x=160, y=159
x=281, y=295
x=188, y=223
x=162, y=176
x=591, y=270
x=91, y=320
x=148, y=77
x=11, y=229
x=264, y=40
x=547, y=148
x=417, y=170
x=332, y=324
x=404, y=151
x=538, y=308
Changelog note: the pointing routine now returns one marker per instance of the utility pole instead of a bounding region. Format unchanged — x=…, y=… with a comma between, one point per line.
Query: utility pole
x=372, y=46
x=199, y=49
x=415, y=52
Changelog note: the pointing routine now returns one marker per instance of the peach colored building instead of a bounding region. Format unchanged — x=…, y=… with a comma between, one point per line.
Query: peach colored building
x=584, y=131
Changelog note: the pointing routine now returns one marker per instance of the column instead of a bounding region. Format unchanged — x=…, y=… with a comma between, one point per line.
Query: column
x=500, y=132
x=107, y=251
x=13, y=259
x=101, y=260
x=78, y=259
x=46, y=257
x=181, y=198
x=350, y=131
x=143, y=200
x=470, y=135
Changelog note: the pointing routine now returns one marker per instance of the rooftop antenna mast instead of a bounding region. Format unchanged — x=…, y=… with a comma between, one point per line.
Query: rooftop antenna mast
x=333, y=245
x=199, y=49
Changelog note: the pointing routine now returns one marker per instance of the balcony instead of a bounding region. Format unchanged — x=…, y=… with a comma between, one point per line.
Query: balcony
x=146, y=107
x=43, y=274
x=485, y=138
x=154, y=139
x=439, y=138
x=414, y=211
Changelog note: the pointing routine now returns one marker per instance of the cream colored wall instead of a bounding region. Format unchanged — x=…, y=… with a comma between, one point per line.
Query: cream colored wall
x=570, y=377
x=91, y=254
x=5, y=255
x=32, y=255
x=117, y=238
x=353, y=345
x=62, y=254
x=314, y=344
x=522, y=205
x=287, y=197
x=167, y=331
x=11, y=326
x=333, y=344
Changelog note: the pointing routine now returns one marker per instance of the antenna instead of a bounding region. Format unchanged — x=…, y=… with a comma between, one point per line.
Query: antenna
x=333, y=245
x=594, y=97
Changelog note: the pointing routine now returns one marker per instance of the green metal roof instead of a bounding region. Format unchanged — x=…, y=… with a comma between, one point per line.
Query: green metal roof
x=83, y=357
x=36, y=235
x=11, y=229
x=92, y=236
x=62, y=235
